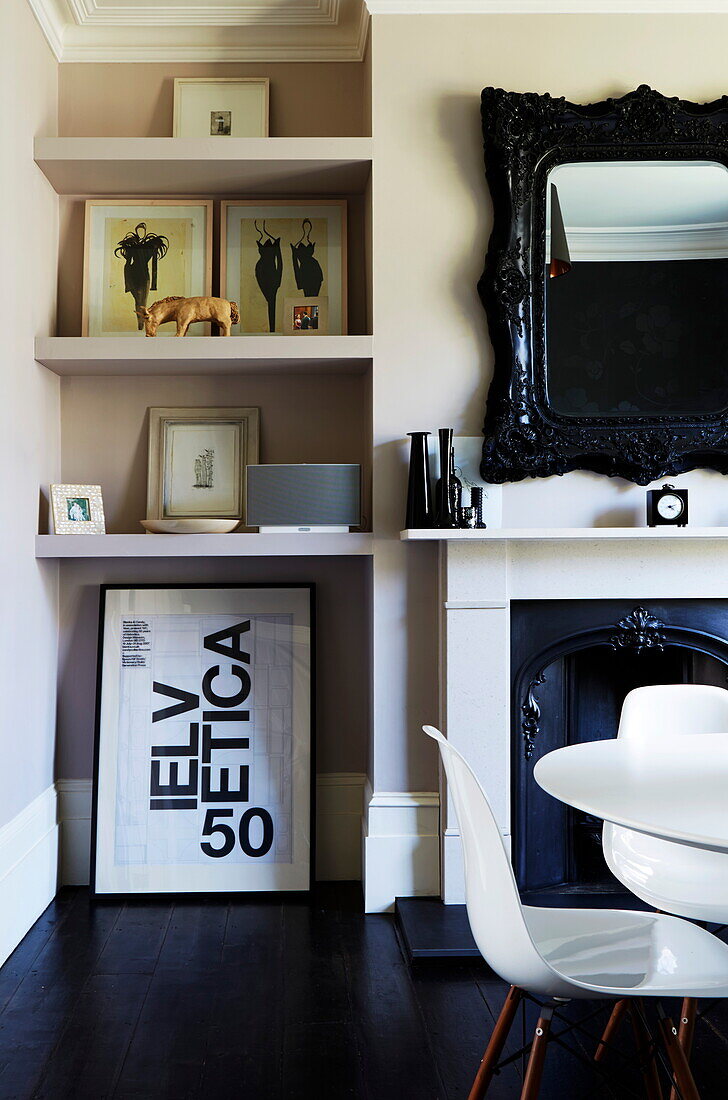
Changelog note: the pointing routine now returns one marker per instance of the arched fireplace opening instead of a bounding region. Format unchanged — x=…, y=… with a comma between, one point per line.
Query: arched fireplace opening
x=574, y=662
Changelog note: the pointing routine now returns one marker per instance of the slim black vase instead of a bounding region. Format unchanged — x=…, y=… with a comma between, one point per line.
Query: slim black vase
x=445, y=512
x=419, y=488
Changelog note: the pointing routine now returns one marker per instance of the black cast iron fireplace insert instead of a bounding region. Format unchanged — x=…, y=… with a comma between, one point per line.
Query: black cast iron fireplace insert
x=573, y=663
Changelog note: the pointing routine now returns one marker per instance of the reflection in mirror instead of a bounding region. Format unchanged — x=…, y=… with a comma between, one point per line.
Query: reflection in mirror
x=636, y=277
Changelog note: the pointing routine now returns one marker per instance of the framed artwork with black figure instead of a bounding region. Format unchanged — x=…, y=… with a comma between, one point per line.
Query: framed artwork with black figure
x=285, y=260
x=204, y=740
x=606, y=267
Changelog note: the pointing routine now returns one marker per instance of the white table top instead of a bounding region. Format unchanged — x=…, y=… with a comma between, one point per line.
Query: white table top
x=675, y=788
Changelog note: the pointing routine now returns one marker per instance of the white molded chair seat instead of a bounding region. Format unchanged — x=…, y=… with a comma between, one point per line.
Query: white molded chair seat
x=676, y=878
x=570, y=953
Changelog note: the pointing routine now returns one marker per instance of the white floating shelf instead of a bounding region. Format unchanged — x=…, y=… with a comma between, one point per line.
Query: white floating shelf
x=205, y=166
x=202, y=546
x=564, y=534
x=105, y=355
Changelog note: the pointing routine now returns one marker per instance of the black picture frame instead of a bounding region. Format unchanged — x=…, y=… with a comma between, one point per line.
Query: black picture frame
x=525, y=136
x=100, y=895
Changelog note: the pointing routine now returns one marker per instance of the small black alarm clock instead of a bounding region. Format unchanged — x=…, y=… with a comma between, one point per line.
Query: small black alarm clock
x=667, y=507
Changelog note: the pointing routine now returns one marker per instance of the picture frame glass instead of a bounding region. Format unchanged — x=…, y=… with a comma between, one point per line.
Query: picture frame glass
x=273, y=252
x=203, y=469
x=204, y=740
x=138, y=253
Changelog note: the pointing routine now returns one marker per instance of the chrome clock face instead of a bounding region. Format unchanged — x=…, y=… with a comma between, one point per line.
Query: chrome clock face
x=670, y=506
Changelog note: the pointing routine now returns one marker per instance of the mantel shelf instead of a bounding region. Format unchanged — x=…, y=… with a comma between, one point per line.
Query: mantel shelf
x=205, y=166
x=202, y=546
x=106, y=355
x=564, y=534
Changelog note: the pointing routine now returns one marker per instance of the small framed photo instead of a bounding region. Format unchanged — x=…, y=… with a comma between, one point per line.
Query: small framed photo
x=227, y=107
x=204, y=740
x=197, y=462
x=272, y=252
x=306, y=315
x=77, y=510
x=139, y=251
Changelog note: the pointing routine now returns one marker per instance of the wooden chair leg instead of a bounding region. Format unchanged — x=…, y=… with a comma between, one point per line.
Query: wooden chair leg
x=648, y=1065
x=534, y=1070
x=497, y=1042
x=686, y=1030
x=680, y=1068
x=613, y=1025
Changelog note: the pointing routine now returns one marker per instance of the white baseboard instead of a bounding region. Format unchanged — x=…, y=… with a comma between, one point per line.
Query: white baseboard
x=401, y=844
x=28, y=868
x=339, y=802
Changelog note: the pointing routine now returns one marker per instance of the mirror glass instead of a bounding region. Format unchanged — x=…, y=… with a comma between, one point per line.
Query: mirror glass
x=636, y=282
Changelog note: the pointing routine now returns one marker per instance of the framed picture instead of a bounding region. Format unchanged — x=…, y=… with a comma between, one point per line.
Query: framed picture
x=306, y=316
x=276, y=250
x=227, y=107
x=203, y=761
x=197, y=462
x=77, y=510
x=138, y=251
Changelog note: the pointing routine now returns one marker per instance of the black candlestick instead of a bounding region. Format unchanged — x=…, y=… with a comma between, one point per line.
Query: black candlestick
x=476, y=502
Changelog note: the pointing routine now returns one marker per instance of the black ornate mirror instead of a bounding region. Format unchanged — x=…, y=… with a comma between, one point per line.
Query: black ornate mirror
x=604, y=285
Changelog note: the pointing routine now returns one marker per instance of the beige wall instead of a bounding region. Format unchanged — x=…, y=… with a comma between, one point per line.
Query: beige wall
x=342, y=645
x=433, y=358
x=28, y=413
x=314, y=418
x=307, y=99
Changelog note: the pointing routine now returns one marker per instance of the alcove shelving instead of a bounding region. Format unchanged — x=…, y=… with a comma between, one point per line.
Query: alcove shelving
x=206, y=546
x=314, y=391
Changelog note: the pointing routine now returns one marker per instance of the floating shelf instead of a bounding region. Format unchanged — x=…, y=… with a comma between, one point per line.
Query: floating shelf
x=564, y=534
x=102, y=355
x=202, y=546
x=209, y=166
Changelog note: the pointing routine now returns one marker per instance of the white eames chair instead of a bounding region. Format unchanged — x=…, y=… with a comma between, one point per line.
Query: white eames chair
x=674, y=878
x=560, y=954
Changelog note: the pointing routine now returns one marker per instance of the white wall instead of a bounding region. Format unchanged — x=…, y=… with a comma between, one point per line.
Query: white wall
x=29, y=429
x=433, y=364
x=29, y=411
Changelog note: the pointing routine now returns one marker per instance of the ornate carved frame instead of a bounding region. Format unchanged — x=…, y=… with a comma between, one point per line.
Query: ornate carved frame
x=525, y=136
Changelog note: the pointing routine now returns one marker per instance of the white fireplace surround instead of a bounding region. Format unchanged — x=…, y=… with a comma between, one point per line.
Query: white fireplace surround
x=481, y=572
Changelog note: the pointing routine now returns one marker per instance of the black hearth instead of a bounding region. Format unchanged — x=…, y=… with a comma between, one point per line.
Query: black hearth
x=573, y=663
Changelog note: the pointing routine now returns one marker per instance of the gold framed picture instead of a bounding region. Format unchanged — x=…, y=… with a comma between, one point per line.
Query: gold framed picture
x=197, y=462
x=138, y=251
x=77, y=510
x=280, y=249
x=221, y=107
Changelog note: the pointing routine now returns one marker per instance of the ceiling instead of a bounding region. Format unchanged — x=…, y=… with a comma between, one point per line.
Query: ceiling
x=204, y=30
x=272, y=30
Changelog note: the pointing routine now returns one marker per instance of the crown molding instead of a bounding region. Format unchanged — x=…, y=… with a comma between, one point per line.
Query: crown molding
x=547, y=7
x=52, y=16
x=312, y=13
x=94, y=31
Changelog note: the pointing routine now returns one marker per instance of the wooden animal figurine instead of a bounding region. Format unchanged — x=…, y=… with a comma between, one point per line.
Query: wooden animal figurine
x=185, y=311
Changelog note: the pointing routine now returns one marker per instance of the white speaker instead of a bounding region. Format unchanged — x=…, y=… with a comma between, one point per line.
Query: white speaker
x=304, y=497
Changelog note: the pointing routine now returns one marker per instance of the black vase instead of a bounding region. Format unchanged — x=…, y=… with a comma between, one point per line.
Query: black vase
x=419, y=488
x=445, y=509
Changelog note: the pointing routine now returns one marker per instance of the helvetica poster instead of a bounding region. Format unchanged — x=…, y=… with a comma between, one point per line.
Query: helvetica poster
x=204, y=740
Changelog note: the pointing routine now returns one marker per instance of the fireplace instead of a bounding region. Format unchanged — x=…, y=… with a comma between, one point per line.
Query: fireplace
x=572, y=664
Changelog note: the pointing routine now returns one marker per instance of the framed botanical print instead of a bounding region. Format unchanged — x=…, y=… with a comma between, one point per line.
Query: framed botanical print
x=77, y=510
x=197, y=462
x=274, y=251
x=138, y=251
x=221, y=106
x=204, y=749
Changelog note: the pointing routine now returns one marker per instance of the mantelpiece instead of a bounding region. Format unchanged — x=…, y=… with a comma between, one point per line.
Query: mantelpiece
x=481, y=573
x=564, y=534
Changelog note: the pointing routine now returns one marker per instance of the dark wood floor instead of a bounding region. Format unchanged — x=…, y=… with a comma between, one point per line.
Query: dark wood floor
x=259, y=1001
